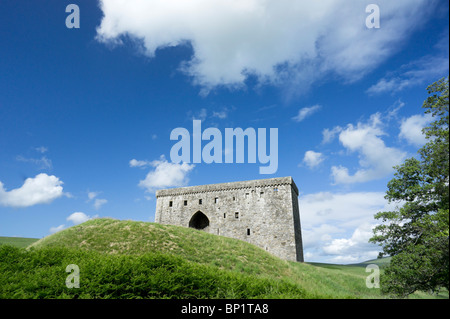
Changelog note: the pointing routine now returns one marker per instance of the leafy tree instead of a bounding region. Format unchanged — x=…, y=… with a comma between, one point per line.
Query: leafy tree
x=417, y=233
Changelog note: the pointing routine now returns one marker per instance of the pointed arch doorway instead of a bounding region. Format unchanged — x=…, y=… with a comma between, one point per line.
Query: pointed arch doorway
x=199, y=221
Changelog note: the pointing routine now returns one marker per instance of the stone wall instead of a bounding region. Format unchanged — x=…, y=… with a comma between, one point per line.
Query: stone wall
x=262, y=212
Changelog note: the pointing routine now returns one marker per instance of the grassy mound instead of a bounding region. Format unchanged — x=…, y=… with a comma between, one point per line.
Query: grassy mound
x=41, y=273
x=118, y=237
x=129, y=259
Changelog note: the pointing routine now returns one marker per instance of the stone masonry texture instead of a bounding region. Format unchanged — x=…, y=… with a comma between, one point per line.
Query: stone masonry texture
x=262, y=212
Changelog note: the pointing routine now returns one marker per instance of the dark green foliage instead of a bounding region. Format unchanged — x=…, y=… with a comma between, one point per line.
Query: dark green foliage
x=417, y=234
x=418, y=267
x=40, y=273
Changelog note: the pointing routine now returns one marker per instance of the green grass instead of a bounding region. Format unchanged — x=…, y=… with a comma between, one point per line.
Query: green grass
x=17, y=241
x=128, y=259
x=40, y=273
x=112, y=236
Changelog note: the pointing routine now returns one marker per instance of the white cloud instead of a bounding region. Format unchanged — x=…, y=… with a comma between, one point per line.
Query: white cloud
x=375, y=158
x=276, y=40
x=411, y=129
x=78, y=218
x=166, y=174
x=201, y=115
x=99, y=202
x=313, y=159
x=92, y=195
x=329, y=135
x=350, y=209
x=223, y=114
x=42, y=189
x=305, y=112
x=392, y=113
x=41, y=149
x=426, y=69
x=42, y=163
x=57, y=228
x=419, y=72
x=354, y=249
x=337, y=226
x=136, y=163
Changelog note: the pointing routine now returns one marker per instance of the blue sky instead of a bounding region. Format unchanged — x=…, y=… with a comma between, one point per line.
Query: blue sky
x=86, y=113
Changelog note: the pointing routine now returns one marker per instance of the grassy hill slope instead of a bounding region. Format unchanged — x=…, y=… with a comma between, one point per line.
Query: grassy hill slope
x=119, y=237
x=129, y=259
x=17, y=241
x=116, y=237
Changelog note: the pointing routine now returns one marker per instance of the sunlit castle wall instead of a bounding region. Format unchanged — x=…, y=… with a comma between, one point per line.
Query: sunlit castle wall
x=262, y=212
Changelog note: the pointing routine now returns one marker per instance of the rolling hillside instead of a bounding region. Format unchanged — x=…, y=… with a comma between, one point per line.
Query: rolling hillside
x=17, y=241
x=128, y=259
x=118, y=237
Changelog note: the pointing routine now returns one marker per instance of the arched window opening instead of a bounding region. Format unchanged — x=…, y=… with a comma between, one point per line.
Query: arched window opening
x=199, y=221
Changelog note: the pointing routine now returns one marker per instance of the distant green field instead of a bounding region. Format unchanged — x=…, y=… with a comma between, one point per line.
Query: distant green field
x=129, y=259
x=18, y=241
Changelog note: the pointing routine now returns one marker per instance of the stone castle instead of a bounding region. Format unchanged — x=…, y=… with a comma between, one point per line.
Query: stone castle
x=262, y=212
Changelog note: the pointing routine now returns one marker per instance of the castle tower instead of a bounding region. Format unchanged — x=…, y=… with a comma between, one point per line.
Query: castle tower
x=262, y=212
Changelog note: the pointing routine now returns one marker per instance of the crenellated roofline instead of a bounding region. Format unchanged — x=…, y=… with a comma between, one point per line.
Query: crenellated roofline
x=269, y=182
